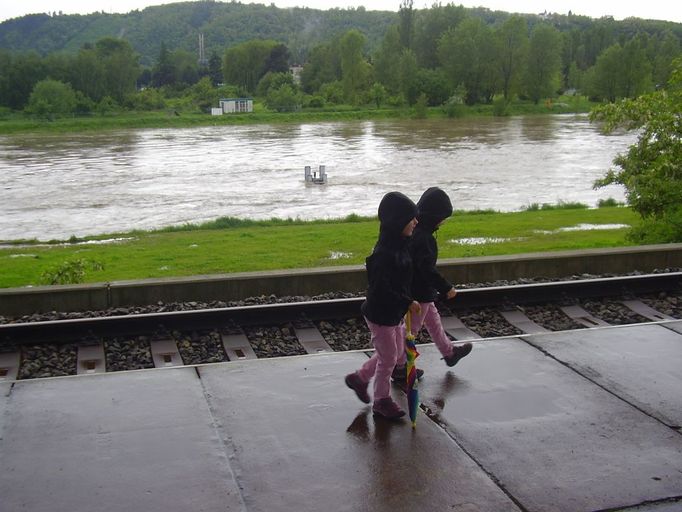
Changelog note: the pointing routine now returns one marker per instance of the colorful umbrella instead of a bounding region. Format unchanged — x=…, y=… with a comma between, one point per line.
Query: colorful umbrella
x=411, y=368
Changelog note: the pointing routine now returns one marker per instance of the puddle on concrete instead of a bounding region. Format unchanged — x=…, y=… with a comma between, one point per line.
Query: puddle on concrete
x=505, y=405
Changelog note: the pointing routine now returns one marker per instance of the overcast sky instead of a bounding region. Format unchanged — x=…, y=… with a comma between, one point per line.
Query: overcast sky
x=649, y=9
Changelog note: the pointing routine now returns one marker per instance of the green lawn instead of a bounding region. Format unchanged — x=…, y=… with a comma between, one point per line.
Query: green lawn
x=253, y=246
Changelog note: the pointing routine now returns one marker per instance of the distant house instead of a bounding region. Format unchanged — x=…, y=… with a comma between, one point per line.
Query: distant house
x=296, y=70
x=236, y=105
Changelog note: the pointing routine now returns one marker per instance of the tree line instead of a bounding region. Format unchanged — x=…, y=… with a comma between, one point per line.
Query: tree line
x=444, y=55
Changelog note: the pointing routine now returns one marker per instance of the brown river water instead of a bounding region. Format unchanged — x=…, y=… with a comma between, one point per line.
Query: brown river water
x=55, y=186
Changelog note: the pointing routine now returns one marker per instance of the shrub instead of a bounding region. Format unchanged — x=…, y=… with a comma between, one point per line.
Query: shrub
x=70, y=272
x=50, y=98
x=603, y=203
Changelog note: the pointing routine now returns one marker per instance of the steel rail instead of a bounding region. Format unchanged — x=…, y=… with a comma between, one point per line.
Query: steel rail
x=74, y=330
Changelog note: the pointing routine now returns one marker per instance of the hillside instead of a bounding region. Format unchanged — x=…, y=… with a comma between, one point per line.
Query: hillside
x=179, y=24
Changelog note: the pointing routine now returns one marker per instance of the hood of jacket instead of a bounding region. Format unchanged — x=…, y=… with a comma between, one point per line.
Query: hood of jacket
x=433, y=207
x=396, y=210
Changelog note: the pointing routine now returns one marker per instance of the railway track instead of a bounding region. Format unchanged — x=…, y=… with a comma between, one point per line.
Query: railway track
x=126, y=342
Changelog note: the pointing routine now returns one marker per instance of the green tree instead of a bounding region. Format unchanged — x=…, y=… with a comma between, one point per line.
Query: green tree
x=406, y=30
x=542, y=78
x=596, y=38
x=278, y=60
x=603, y=79
x=274, y=80
x=284, y=99
x=512, y=49
x=148, y=99
x=377, y=94
x=87, y=74
x=245, y=64
x=204, y=94
x=467, y=54
x=409, y=86
x=50, y=98
x=121, y=67
x=434, y=85
x=332, y=92
x=323, y=66
x=163, y=72
x=385, y=70
x=185, y=68
x=575, y=78
x=18, y=76
x=635, y=76
x=651, y=170
x=620, y=72
x=215, y=71
x=354, y=69
x=430, y=25
x=666, y=50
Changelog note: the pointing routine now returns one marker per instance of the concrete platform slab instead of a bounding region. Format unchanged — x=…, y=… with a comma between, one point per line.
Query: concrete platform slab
x=522, y=322
x=671, y=506
x=302, y=441
x=456, y=328
x=675, y=326
x=642, y=364
x=9, y=365
x=127, y=441
x=552, y=439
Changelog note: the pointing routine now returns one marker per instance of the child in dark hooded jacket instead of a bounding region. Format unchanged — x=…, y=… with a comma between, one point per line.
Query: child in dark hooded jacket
x=428, y=284
x=389, y=276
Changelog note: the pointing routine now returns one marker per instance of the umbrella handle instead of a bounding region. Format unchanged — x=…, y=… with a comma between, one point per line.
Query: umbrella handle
x=408, y=322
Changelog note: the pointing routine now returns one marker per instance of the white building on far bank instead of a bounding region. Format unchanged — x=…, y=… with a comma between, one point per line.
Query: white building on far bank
x=236, y=105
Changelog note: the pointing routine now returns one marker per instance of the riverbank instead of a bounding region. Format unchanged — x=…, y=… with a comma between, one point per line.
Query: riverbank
x=171, y=118
x=231, y=245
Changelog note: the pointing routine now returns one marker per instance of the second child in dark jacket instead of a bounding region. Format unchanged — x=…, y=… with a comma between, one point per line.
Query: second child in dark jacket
x=389, y=276
x=428, y=285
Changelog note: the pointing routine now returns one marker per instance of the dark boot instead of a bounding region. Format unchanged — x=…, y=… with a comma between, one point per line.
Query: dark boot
x=387, y=408
x=399, y=374
x=354, y=382
x=458, y=352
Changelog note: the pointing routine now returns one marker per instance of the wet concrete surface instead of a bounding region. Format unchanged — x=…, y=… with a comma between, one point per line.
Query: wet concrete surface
x=675, y=326
x=130, y=441
x=553, y=439
x=512, y=427
x=640, y=364
x=300, y=440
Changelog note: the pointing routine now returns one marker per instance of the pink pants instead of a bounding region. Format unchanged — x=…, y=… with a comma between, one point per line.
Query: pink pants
x=389, y=344
x=428, y=317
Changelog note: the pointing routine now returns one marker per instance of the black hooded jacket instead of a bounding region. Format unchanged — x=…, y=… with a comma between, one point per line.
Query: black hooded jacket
x=434, y=206
x=389, y=267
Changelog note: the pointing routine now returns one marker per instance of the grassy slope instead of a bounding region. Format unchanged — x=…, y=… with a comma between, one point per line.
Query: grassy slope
x=306, y=244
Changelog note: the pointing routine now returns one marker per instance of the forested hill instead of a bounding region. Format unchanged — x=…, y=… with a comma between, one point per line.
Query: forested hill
x=178, y=25
x=225, y=24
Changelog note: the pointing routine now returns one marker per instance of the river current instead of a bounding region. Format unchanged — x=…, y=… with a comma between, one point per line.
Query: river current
x=56, y=186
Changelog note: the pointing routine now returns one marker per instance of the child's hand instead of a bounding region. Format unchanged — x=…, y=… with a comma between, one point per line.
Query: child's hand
x=451, y=293
x=415, y=308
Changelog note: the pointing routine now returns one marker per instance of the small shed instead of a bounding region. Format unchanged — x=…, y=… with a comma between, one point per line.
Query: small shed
x=236, y=105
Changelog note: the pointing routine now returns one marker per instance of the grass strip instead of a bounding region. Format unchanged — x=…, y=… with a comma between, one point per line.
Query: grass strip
x=232, y=245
